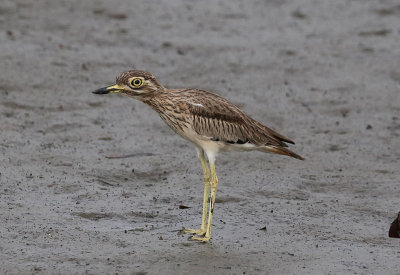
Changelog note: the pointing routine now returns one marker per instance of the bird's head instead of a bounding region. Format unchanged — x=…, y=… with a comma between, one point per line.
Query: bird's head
x=134, y=83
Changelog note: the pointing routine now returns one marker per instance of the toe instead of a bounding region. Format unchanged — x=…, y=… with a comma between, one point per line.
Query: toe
x=202, y=239
x=194, y=231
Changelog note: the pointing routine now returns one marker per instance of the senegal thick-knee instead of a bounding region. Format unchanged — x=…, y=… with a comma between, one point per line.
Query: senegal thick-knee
x=211, y=122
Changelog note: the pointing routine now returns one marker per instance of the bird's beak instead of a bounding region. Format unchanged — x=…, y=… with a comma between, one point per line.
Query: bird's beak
x=110, y=89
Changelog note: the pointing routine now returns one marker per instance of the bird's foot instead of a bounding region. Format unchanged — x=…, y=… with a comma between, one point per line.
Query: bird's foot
x=203, y=239
x=199, y=232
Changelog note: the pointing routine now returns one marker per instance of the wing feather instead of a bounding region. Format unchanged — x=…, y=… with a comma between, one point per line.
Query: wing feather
x=219, y=119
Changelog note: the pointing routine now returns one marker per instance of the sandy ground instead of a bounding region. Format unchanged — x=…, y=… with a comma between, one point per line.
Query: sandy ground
x=325, y=73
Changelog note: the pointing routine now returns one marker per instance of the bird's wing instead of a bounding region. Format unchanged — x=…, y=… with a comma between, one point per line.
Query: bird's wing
x=220, y=120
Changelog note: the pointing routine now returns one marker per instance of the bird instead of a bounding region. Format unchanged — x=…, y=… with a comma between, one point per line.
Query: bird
x=212, y=123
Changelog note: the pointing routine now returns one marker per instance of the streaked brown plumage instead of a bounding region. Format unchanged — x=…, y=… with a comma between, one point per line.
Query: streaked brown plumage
x=210, y=121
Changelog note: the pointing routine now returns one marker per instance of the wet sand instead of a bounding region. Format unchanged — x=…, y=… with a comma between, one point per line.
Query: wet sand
x=324, y=73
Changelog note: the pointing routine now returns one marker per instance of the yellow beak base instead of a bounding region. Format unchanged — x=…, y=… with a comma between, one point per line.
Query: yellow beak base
x=107, y=90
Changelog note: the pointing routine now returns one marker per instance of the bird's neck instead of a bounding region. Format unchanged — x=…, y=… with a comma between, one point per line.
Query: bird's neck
x=156, y=100
x=153, y=97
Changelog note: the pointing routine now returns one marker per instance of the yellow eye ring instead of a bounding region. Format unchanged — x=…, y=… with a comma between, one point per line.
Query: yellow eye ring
x=137, y=82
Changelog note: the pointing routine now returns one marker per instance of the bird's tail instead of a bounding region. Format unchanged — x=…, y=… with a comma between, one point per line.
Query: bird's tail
x=280, y=151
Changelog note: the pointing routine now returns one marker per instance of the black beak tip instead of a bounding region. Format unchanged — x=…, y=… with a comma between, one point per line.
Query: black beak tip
x=101, y=91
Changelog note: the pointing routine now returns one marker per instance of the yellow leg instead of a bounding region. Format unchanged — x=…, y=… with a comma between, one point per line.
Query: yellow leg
x=206, y=175
x=214, y=187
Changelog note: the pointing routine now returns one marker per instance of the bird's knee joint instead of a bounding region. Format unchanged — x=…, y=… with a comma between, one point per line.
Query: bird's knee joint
x=214, y=184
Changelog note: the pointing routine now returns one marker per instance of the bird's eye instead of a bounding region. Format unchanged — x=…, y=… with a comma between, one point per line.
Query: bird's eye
x=137, y=82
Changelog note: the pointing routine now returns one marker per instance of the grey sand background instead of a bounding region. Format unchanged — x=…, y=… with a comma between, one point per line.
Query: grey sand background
x=325, y=73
